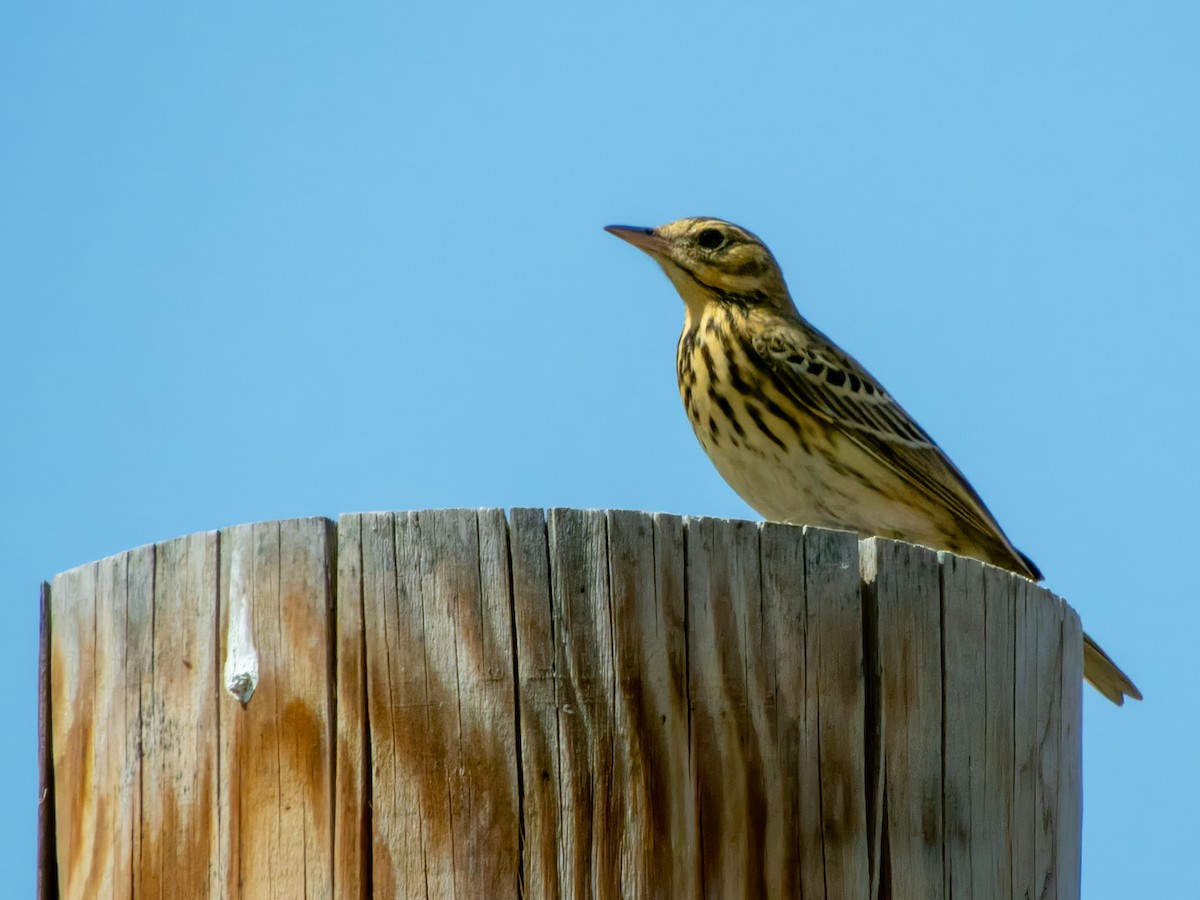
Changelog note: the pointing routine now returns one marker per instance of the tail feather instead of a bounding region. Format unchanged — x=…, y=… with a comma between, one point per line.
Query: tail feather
x=1098, y=668
x=1105, y=675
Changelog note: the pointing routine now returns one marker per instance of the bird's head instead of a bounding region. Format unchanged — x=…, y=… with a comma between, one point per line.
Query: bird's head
x=711, y=260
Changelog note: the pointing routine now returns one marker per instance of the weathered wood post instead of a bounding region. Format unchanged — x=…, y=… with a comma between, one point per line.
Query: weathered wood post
x=581, y=704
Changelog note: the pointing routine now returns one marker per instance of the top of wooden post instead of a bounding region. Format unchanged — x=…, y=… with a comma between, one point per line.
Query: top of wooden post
x=563, y=704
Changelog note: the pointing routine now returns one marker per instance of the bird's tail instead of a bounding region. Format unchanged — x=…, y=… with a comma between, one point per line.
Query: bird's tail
x=1105, y=675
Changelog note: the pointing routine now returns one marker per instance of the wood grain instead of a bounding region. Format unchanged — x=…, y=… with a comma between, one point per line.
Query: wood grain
x=724, y=622
x=1048, y=611
x=654, y=823
x=1068, y=817
x=580, y=703
x=836, y=654
x=352, y=801
x=47, y=860
x=903, y=584
x=74, y=720
x=439, y=676
x=537, y=691
x=794, y=859
x=1025, y=880
x=276, y=751
x=1000, y=594
x=967, y=819
x=589, y=790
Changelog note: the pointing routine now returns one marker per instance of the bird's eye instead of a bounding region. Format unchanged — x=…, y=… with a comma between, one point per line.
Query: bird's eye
x=710, y=239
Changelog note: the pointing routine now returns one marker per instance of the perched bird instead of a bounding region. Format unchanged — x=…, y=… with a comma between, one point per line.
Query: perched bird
x=802, y=431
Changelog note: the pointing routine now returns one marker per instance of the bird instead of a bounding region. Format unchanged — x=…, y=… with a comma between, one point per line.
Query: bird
x=801, y=430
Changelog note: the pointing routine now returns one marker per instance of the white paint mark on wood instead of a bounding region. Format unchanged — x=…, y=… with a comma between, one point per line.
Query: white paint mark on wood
x=241, y=657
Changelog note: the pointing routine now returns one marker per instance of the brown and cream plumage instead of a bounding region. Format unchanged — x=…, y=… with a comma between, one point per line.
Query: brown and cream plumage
x=799, y=428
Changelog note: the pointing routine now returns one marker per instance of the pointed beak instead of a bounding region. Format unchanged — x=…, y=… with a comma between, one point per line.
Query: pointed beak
x=645, y=239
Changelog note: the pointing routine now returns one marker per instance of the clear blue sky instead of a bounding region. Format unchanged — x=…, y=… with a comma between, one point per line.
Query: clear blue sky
x=269, y=260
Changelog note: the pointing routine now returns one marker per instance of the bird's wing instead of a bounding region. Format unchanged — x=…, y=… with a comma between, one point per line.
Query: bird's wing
x=834, y=387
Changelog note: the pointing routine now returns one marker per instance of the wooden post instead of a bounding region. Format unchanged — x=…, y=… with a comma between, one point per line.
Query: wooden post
x=456, y=703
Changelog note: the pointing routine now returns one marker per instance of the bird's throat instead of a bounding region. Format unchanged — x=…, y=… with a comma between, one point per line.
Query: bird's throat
x=696, y=296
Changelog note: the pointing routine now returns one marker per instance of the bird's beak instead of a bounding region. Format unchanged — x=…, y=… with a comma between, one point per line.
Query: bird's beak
x=645, y=239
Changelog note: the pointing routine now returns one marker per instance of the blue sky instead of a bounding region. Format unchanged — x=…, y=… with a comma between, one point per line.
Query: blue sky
x=272, y=260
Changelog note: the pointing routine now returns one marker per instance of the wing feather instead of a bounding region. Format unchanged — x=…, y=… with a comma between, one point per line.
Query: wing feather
x=834, y=387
